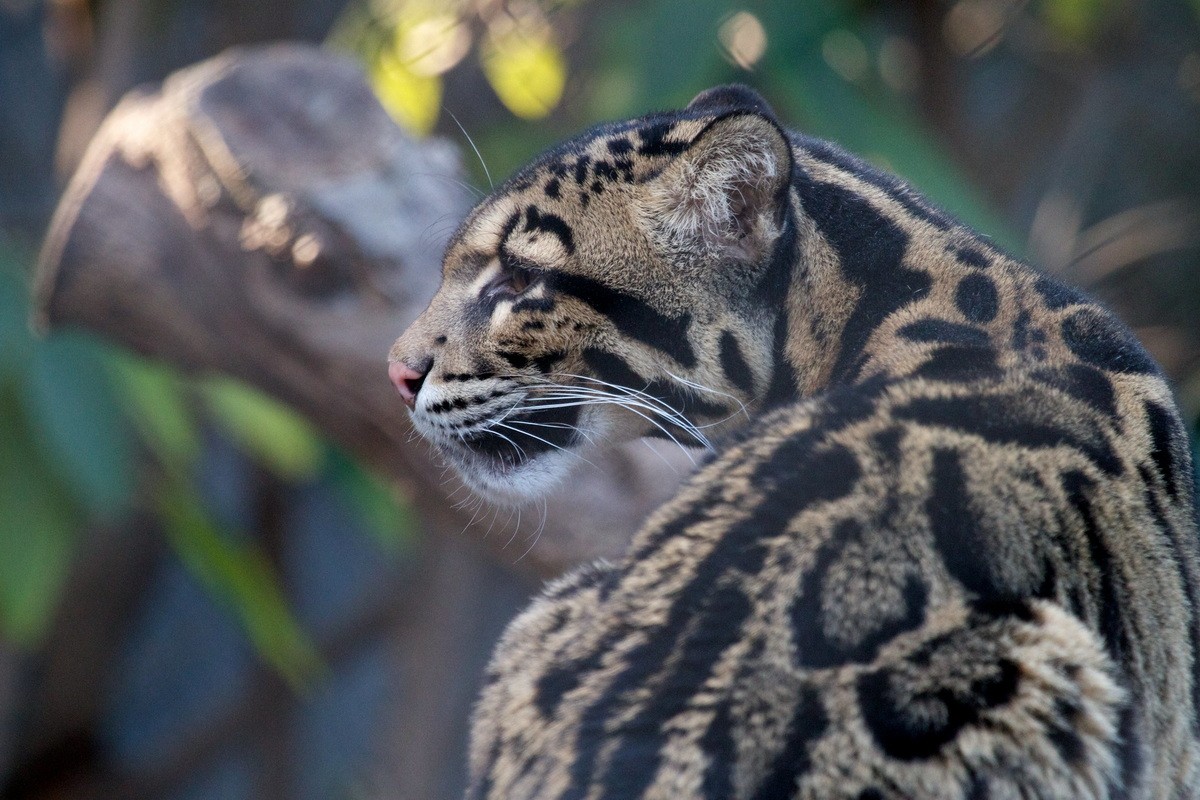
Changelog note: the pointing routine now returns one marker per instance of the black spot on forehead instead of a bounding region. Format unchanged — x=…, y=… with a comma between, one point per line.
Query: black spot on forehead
x=510, y=225
x=534, y=304
x=520, y=183
x=604, y=171
x=581, y=169
x=643, y=135
x=653, y=136
x=536, y=220
x=620, y=146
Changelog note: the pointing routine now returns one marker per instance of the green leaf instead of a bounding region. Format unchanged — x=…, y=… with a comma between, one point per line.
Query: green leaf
x=667, y=69
x=71, y=405
x=241, y=575
x=16, y=344
x=155, y=399
x=1074, y=19
x=37, y=536
x=272, y=433
x=391, y=520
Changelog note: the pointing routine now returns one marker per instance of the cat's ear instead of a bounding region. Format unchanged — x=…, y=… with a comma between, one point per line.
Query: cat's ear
x=724, y=195
x=731, y=97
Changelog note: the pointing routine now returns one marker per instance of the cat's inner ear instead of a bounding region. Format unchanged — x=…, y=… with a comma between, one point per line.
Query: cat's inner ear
x=724, y=193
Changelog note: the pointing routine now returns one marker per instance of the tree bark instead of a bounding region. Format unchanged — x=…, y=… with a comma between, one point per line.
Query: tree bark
x=261, y=216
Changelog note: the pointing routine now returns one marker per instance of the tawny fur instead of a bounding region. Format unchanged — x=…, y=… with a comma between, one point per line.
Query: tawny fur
x=944, y=546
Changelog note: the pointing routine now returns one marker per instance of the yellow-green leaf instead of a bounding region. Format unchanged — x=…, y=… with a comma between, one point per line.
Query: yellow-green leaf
x=15, y=343
x=70, y=405
x=1074, y=19
x=155, y=400
x=391, y=520
x=37, y=536
x=240, y=574
x=274, y=434
x=412, y=99
x=526, y=70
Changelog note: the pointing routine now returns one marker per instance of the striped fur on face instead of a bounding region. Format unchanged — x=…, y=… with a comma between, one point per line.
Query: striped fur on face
x=619, y=287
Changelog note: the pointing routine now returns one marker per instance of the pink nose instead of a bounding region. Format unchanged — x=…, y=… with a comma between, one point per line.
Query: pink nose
x=407, y=380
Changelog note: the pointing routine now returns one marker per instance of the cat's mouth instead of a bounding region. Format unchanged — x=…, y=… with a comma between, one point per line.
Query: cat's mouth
x=519, y=456
x=516, y=438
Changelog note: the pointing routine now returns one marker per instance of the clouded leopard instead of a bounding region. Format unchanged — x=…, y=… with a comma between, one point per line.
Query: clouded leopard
x=944, y=546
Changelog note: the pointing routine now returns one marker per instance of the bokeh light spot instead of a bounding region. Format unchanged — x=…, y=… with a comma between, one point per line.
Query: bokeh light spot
x=846, y=54
x=743, y=39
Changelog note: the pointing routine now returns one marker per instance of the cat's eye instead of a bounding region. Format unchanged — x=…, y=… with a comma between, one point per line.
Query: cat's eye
x=519, y=279
x=514, y=277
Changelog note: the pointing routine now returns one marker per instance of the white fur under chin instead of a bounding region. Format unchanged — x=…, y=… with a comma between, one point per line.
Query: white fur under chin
x=514, y=486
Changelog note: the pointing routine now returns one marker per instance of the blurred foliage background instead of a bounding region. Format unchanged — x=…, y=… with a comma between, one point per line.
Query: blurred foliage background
x=223, y=545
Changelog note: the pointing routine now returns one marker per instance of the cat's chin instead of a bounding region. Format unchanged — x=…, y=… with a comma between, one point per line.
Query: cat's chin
x=510, y=483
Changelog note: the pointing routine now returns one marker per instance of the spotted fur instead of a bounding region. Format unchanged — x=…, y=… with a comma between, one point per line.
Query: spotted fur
x=944, y=546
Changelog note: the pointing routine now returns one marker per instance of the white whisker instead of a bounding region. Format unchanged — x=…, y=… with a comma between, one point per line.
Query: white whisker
x=557, y=425
x=674, y=417
x=472, y=189
x=661, y=457
x=492, y=524
x=701, y=387
x=516, y=529
x=537, y=534
x=478, y=508
x=471, y=142
x=641, y=394
x=508, y=426
x=516, y=446
x=631, y=409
